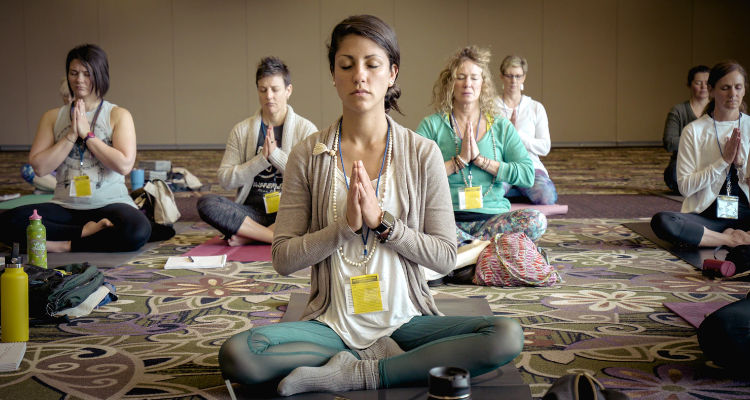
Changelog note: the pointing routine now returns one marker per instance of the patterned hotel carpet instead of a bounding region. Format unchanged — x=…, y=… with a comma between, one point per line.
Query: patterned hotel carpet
x=160, y=340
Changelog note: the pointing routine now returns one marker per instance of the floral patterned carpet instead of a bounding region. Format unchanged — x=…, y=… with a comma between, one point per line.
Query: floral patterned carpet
x=161, y=338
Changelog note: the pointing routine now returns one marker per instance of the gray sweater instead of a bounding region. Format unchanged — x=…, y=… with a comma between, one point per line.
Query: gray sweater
x=679, y=116
x=424, y=233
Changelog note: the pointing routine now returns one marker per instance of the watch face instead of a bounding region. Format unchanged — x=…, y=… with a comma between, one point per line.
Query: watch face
x=388, y=219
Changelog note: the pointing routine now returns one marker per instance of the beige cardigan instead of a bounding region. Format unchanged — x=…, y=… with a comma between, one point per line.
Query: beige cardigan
x=424, y=233
x=240, y=164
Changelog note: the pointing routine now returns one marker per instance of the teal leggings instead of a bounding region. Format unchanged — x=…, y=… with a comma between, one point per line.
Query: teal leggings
x=477, y=344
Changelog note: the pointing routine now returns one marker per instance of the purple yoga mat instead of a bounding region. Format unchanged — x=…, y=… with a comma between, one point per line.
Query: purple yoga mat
x=216, y=246
x=695, y=313
x=551, y=209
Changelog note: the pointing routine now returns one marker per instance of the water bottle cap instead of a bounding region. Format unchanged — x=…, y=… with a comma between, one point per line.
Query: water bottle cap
x=35, y=216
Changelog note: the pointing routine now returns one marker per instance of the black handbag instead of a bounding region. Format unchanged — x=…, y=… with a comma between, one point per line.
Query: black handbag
x=581, y=386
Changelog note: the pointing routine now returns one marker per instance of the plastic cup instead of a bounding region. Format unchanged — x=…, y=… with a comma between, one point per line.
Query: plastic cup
x=136, y=178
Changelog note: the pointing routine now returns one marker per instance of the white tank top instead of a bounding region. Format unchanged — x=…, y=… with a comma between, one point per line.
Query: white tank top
x=107, y=186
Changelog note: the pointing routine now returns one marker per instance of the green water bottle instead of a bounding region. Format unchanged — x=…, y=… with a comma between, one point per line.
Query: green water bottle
x=14, y=300
x=36, y=241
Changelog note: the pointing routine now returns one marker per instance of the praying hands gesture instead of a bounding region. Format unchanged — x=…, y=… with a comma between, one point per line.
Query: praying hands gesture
x=732, y=153
x=79, y=123
x=362, y=206
x=469, y=147
x=270, y=143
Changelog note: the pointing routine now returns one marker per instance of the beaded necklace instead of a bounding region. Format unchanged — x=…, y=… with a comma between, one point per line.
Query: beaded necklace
x=387, y=165
x=494, y=149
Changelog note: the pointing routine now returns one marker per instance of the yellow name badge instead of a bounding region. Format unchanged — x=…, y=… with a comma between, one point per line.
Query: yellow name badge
x=271, y=202
x=470, y=197
x=81, y=186
x=366, y=293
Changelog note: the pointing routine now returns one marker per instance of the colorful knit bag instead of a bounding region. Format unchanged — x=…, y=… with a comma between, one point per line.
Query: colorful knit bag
x=512, y=259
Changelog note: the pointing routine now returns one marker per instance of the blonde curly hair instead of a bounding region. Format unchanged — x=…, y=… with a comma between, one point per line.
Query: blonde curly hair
x=442, y=91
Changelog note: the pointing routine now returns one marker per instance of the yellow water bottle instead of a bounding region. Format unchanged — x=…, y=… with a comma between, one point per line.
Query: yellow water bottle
x=36, y=241
x=14, y=300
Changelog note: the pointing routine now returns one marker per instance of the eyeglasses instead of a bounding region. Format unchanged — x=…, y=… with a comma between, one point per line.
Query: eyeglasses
x=511, y=76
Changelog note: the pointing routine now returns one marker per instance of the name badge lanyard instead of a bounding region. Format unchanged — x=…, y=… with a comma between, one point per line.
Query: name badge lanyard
x=716, y=131
x=79, y=143
x=456, y=139
x=365, y=234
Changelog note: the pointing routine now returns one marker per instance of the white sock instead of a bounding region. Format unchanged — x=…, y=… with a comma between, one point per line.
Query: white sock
x=385, y=347
x=343, y=372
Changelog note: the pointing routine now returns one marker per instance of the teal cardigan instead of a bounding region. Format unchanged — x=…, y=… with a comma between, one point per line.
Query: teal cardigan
x=515, y=168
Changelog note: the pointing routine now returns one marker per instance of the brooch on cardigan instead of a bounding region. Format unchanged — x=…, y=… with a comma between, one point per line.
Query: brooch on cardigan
x=321, y=148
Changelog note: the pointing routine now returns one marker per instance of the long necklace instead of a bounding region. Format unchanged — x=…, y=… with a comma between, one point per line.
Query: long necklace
x=494, y=149
x=387, y=165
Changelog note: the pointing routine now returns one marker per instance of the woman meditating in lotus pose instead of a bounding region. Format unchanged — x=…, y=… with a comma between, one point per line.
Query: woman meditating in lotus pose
x=255, y=160
x=90, y=143
x=712, y=170
x=366, y=202
x=481, y=151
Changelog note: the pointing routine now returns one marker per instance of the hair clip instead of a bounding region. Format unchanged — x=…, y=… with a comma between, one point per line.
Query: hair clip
x=321, y=148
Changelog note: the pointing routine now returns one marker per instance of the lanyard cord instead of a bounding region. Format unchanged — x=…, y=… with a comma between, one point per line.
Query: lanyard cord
x=716, y=131
x=366, y=231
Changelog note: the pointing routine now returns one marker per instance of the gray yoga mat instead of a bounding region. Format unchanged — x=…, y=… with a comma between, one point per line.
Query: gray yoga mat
x=691, y=255
x=503, y=383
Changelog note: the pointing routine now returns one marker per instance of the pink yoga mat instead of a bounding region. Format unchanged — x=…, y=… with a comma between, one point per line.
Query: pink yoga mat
x=216, y=246
x=695, y=313
x=551, y=209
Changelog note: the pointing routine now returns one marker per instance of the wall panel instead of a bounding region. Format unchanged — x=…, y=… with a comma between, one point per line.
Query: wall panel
x=721, y=31
x=653, y=57
x=210, y=56
x=142, y=65
x=579, y=51
x=296, y=41
x=510, y=27
x=14, y=119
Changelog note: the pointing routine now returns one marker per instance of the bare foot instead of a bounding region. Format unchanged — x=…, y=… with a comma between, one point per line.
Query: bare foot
x=237, y=240
x=737, y=237
x=92, y=227
x=58, y=247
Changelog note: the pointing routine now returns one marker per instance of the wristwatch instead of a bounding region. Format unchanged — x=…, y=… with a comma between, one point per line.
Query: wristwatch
x=387, y=220
x=89, y=135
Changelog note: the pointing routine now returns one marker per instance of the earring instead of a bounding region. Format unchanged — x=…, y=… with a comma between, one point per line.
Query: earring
x=522, y=86
x=391, y=83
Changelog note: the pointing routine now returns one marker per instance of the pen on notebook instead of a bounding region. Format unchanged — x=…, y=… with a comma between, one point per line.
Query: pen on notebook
x=191, y=259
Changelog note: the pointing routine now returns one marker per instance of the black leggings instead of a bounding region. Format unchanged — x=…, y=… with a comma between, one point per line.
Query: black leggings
x=130, y=232
x=724, y=336
x=686, y=229
x=227, y=216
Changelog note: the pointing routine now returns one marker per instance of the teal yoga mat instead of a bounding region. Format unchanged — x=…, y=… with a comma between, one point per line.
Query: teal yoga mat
x=24, y=200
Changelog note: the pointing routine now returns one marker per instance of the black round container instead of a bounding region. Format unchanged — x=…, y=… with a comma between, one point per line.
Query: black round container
x=449, y=383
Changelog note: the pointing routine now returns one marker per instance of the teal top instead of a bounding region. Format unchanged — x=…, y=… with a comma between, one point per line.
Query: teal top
x=515, y=168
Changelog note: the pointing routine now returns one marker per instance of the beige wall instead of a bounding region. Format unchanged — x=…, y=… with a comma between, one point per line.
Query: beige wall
x=607, y=71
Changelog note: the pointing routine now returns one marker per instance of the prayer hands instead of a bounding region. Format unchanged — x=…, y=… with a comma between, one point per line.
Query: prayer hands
x=78, y=121
x=732, y=147
x=362, y=206
x=270, y=143
x=513, y=118
x=469, y=147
